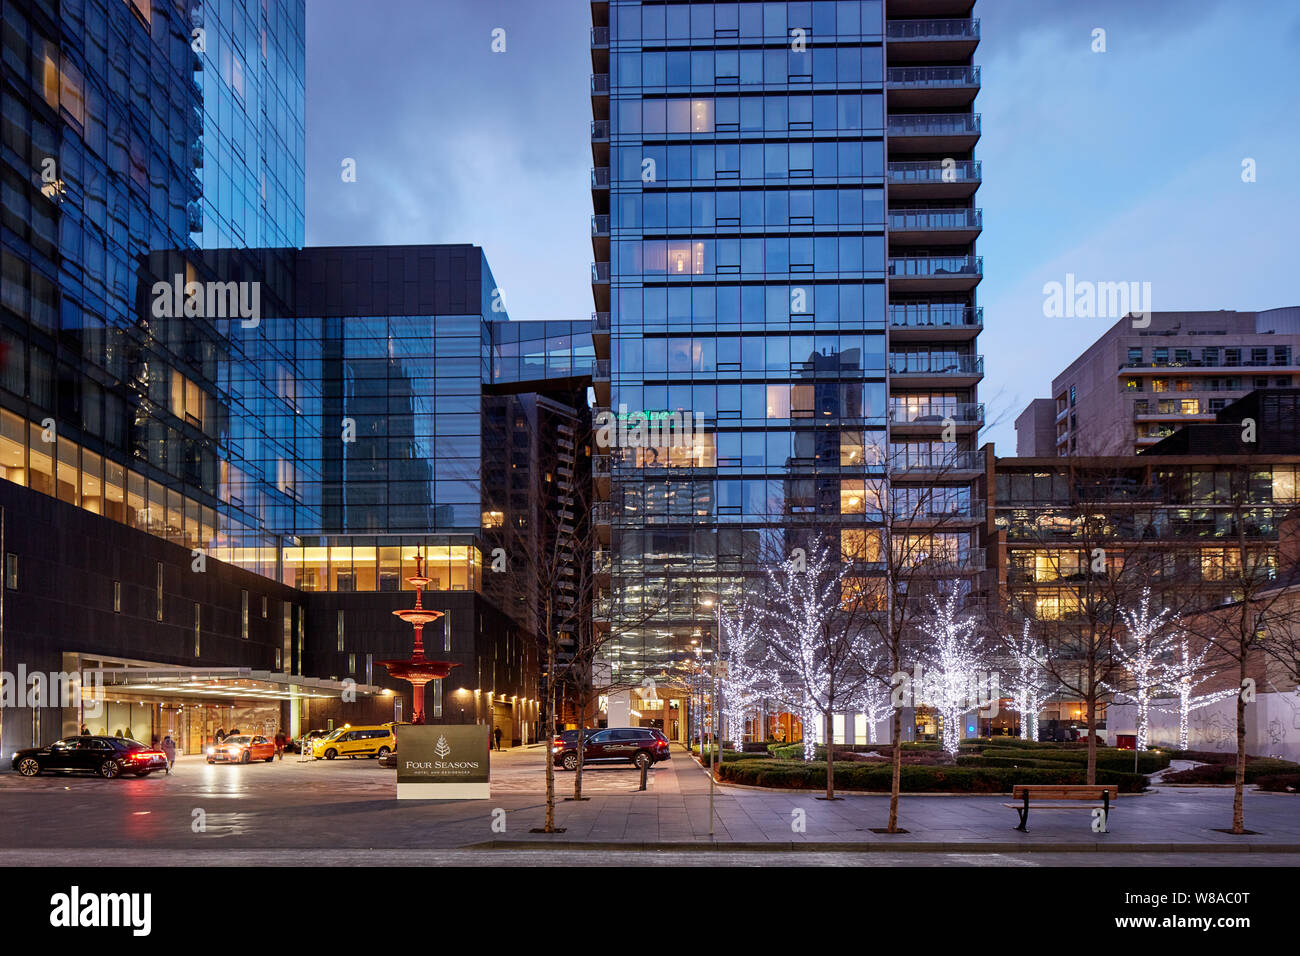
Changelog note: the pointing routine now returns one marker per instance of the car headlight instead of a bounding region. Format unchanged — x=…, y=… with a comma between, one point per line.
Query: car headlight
x=212, y=750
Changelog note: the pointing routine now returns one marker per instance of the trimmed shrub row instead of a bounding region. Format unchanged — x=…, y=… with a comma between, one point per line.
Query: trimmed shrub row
x=1220, y=773
x=913, y=779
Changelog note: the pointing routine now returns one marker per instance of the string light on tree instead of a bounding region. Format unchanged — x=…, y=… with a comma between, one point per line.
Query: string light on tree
x=952, y=663
x=1031, y=684
x=1152, y=639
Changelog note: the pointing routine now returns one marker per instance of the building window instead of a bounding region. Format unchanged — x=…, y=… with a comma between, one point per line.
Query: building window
x=1140, y=407
x=279, y=659
x=1134, y=356
x=264, y=606
x=352, y=663
x=1160, y=356
x=1210, y=357
x=243, y=614
x=198, y=622
x=370, y=668
x=117, y=597
x=1133, y=384
x=11, y=572
x=446, y=631
x=1073, y=396
x=158, y=594
x=340, y=623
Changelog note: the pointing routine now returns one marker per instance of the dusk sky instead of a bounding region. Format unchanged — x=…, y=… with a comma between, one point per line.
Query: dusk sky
x=1116, y=166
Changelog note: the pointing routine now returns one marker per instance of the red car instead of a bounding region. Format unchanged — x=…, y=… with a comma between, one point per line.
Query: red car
x=243, y=748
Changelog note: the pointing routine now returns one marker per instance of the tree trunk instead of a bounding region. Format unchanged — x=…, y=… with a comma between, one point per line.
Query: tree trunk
x=1239, y=779
x=830, y=757
x=896, y=738
x=1092, y=737
x=550, y=729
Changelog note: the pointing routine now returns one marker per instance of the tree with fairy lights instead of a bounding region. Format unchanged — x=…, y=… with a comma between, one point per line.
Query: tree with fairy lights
x=1182, y=675
x=952, y=663
x=1029, y=680
x=744, y=675
x=817, y=649
x=1144, y=656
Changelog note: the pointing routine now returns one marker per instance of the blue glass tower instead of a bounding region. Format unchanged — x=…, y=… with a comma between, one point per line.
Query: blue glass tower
x=783, y=234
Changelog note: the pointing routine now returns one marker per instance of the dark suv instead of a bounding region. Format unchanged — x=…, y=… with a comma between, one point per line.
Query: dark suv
x=640, y=746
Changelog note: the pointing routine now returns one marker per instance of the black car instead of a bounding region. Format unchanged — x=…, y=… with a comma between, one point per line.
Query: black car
x=640, y=746
x=106, y=756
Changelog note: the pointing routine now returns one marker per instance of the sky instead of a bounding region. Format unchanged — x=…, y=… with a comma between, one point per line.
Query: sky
x=1122, y=165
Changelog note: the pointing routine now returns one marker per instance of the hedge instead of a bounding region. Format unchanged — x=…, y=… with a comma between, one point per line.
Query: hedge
x=1108, y=758
x=1219, y=773
x=913, y=779
x=1279, y=782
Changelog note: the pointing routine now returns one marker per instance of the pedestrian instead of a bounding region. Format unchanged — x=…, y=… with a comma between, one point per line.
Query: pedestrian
x=279, y=744
x=496, y=732
x=85, y=731
x=220, y=735
x=169, y=749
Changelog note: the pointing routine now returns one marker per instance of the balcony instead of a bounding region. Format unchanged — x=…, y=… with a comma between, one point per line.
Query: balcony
x=926, y=466
x=600, y=236
x=934, y=179
x=935, y=273
x=600, y=380
x=600, y=285
x=600, y=333
x=602, y=563
x=933, y=132
x=936, y=370
x=946, y=562
x=600, y=37
x=935, y=416
x=928, y=226
x=600, y=141
x=925, y=321
x=600, y=518
x=600, y=96
x=932, y=86
x=928, y=41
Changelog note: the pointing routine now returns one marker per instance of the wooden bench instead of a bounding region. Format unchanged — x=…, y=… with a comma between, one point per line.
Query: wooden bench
x=1068, y=791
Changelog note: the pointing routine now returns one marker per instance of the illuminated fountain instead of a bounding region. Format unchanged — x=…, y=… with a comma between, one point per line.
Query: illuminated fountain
x=417, y=669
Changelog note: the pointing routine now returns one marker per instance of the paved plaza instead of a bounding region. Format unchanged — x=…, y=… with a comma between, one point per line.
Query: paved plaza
x=318, y=811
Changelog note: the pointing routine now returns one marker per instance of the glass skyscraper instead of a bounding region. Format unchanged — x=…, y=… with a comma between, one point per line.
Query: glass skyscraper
x=783, y=236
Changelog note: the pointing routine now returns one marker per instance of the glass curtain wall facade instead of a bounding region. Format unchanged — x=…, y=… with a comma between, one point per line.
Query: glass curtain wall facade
x=741, y=262
x=131, y=127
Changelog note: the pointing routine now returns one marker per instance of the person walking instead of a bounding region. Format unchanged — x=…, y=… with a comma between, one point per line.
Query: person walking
x=169, y=749
x=496, y=732
x=279, y=744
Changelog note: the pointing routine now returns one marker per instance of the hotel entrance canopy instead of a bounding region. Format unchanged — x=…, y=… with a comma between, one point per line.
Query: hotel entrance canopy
x=219, y=683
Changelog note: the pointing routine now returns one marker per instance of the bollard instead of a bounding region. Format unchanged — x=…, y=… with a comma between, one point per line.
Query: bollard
x=643, y=772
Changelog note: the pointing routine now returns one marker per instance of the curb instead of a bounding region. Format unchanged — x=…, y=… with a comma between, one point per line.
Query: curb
x=887, y=847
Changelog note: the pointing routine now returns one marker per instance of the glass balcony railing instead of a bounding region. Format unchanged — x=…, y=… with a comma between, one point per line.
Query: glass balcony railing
x=600, y=272
x=932, y=77
x=923, y=363
x=600, y=177
x=933, y=124
x=600, y=369
x=600, y=512
x=600, y=225
x=600, y=321
x=600, y=83
x=918, y=219
x=936, y=315
x=967, y=29
x=912, y=458
x=935, y=413
x=600, y=129
x=600, y=36
x=937, y=171
x=936, y=266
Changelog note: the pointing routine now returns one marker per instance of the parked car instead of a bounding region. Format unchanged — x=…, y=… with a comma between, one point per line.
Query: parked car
x=242, y=748
x=108, y=757
x=375, y=741
x=640, y=746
